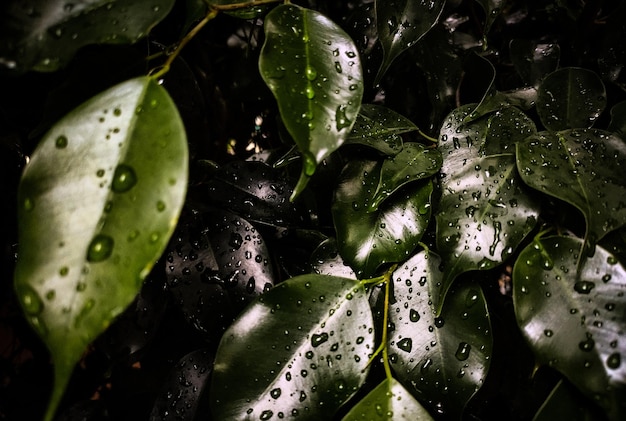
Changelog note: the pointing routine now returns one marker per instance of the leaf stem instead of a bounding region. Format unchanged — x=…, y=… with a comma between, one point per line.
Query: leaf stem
x=425, y=136
x=235, y=6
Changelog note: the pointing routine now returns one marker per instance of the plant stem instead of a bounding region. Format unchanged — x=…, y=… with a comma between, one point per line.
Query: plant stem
x=425, y=136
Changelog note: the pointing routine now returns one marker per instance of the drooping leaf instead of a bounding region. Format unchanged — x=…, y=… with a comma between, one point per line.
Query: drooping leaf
x=618, y=120
x=388, y=401
x=570, y=98
x=380, y=128
x=533, y=61
x=573, y=319
x=433, y=356
x=368, y=239
x=97, y=204
x=565, y=402
x=312, y=67
x=43, y=35
x=401, y=24
x=414, y=162
x=484, y=210
x=300, y=349
x=583, y=167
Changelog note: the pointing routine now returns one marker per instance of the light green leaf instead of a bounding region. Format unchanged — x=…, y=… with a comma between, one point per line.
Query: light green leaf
x=300, y=349
x=313, y=69
x=388, y=401
x=574, y=319
x=45, y=34
x=433, y=356
x=366, y=239
x=583, y=167
x=401, y=24
x=570, y=98
x=97, y=205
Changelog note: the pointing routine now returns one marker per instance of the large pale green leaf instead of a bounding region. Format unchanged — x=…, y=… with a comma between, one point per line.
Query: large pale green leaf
x=314, y=71
x=574, y=320
x=401, y=23
x=388, y=401
x=369, y=239
x=570, y=98
x=300, y=349
x=43, y=35
x=534, y=61
x=583, y=167
x=484, y=211
x=441, y=360
x=97, y=204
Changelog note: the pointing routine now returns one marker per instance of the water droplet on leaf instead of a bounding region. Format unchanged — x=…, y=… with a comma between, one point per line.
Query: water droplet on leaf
x=124, y=179
x=100, y=248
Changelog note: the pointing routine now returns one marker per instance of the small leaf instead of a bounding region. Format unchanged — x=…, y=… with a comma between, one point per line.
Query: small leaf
x=433, y=356
x=45, y=34
x=368, y=239
x=312, y=68
x=300, y=349
x=388, y=401
x=401, y=23
x=534, y=61
x=97, y=204
x=583, y=167
x=570, y=98
x=573, y=319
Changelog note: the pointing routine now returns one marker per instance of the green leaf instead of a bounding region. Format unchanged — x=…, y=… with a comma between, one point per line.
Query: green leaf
x=251, y=12
x=534, y=61
x=583, y=167
x=380, y=128
x=433, y=356
x=366, y=239
x=300, y=349
x=570, y=98
x=492, y=9
x=484, y=211
x=326, y=260
x=565, y=402
x=45, y=34
x=414, y=162
x=388, y=401
x=312, y=68
x=97, y=205
x=618, y=120
x=573, y=319
x=401, y=23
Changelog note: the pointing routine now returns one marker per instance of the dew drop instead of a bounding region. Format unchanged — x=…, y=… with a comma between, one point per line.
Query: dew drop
x=28, y=204
x=117, y=112
x=340, y=118
x=124, y=179
x=584, y=287
x=548, y=333
x=61, y=142
x=586, y=345
x=266, y=415
x=463, y=351
x=310, y=72
x=414, y=315
x=405, y=344
x=317, y=340
x=160, y=206
x=275, y=393
x=614, y=361
x=100, y=248
x=30, y=300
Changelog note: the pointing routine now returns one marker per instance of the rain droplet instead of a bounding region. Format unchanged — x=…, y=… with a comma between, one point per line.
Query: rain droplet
x=160, y=206
x=405, y=344
x=340, y=117
x=414, y=315
x=317, y=340
x=614, y=361
x=586, y=345
x=548, y=333
x=471, y=298
x=584, y=287
x=463, y=351
x=61, y=142
x=124, y=179
x=28, y=204
x=266, y=415
x=117, y=112
x=310, y=72
x=100, y=248
x=30, y=300
x=275, y=393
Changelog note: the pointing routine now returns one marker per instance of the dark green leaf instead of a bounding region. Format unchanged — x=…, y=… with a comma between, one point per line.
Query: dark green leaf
x=44, y=35
x=572, y=318
x=367, y=239
x=312, y=67
x=565, y=402
x=534, y=61
x=618, y=120
x=98, y=203
x=388, y=401
x=583, y=167
x=492, y=9
x=300, y=349
x=401, y=23
x=570, y=98
x=326, y=260
x=433, y=356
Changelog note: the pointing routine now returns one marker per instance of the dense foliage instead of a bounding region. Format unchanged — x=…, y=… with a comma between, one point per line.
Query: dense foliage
x=313, y=210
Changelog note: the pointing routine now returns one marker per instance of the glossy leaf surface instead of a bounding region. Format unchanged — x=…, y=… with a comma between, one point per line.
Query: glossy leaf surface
x=574, y=320
x=432, y=355
x=401, y=24
x=484, y=210
x=300, y=349
x=534, y=61
x=570, y=98
x=97, y=204
x=583, y=167
x=43, y=35
x=388, y=401
x=326, y=260
x=369, y=239
x=312, y=68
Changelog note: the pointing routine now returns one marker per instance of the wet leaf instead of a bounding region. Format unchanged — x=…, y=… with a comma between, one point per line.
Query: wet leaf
x=618, y=120
x=43, y=35
x=313, y=69
x=380, y=128
x=533, y=61
x=573, y=319
x=250, y=12
x=583, y=167
x=433, y=356
x=570, y=98
x=484, y=210
x=326, y=260
x=369, y=239
x=97, y=204
x=401, y=23
x=388, y=401
x=300, y=349
x=565, y=402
